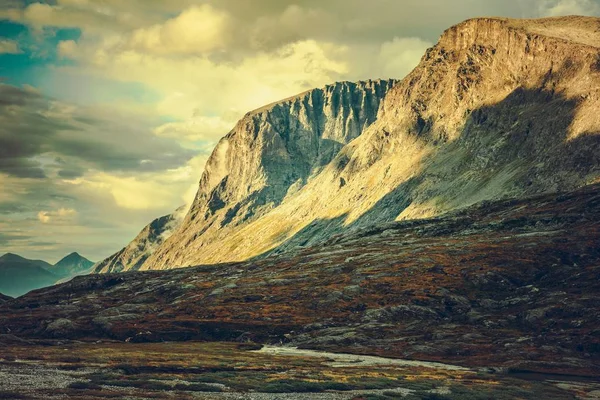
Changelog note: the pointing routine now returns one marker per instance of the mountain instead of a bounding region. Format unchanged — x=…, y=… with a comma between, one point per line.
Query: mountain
x=19, y=275
x=497, y=108
x=72, y=265
x=504, y=284
x=453, y=216
x=4, y=298
x=269, y=155
x=135, y=253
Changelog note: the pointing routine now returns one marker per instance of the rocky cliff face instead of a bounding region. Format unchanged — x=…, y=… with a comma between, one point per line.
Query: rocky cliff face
x=498, y=108
x=270, y=155
x=131, y=257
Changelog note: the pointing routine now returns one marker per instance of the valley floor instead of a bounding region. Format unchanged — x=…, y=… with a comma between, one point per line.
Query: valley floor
x=508, y=290
x=194, y=370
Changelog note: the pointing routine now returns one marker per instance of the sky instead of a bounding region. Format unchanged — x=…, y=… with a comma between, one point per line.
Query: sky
x=110, y=108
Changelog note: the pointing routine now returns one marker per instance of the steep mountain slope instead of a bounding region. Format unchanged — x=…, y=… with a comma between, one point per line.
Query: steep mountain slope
x=4, y=298
x=72, y=265
x=270, y=154
x=498, y=108
x=131, y=257
x=510, y=284
x=19, y=275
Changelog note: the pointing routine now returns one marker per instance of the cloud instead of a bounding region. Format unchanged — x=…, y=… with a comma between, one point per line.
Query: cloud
x=197, y=30
x=201, y=86
x=86, y=138
x=142, y=191
x=555, y=8
x=196, y=129
x=400, y=56
x=57, y=157
x=67, y=48
x=62, y=215
x=294, y=24
x=85, y=15
x=8, y=46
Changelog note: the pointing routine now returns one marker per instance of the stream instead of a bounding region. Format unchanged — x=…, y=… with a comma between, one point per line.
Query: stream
x=348, y=360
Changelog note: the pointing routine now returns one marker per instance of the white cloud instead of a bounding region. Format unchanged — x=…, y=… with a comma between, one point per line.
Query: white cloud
x=196, y=129
x=67, y=48
x=197, y=30
x=199, y=86
x=150, y=191
x=555, y=8
x=60, y=216
x=8, y=46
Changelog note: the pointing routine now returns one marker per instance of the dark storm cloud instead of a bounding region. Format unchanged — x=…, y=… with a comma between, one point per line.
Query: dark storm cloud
x=71, y=173
x=32, y=125
x=7, y=238
x=14, y=96
x=21, y=167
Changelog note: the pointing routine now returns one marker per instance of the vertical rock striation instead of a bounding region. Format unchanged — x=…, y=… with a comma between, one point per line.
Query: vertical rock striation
x=269, y=156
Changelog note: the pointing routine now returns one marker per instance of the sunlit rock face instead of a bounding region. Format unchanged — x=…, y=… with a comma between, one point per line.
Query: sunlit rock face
x=269, y=155
x=131, y=257
x=498, y=108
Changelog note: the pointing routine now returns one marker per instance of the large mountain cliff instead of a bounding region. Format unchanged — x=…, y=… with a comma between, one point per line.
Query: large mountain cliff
x=270, y=154
x=498, y=108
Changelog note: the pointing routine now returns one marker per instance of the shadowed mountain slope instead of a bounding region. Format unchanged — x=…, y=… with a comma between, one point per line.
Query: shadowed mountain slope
x=72, y=265
x=19, y=275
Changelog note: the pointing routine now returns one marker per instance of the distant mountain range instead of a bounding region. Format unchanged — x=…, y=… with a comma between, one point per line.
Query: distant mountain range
x=19, y=275
x=72, y=265
x=4, y=298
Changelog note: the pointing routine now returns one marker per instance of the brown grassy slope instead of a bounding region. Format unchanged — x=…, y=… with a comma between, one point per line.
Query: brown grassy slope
x=511, y=283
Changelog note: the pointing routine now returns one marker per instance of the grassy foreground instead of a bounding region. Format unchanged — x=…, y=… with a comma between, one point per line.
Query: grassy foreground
x=190, y=370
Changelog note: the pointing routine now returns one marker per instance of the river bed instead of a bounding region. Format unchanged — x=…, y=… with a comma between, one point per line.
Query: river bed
x=347, y=360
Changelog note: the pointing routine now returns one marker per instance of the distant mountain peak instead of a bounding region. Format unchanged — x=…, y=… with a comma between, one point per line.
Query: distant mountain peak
x=71, y=265
x=72, y=257
x=19, y=275
x=11, y=257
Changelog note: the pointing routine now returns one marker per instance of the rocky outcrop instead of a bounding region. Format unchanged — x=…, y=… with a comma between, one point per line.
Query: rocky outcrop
x=131, y=257
x=498, y=108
